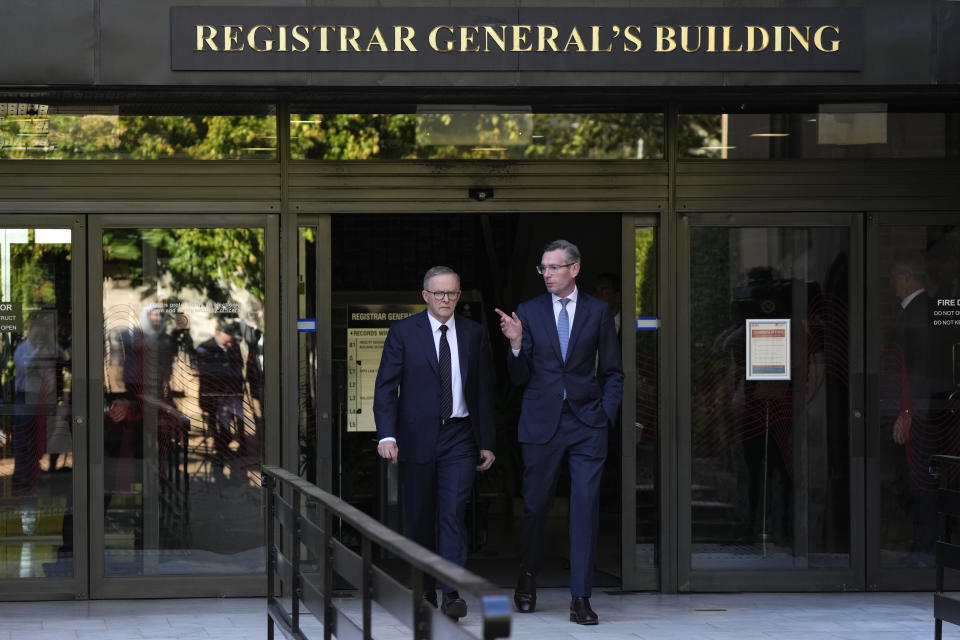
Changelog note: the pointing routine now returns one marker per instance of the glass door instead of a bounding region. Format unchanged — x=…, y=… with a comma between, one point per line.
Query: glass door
x=913, y=359
x=42, y=409
x=770, y=410
x=182, y=428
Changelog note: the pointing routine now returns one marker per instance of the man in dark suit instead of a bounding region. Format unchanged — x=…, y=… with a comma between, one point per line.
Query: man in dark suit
x=925, y=384
x=564, y=350
x=437, y=422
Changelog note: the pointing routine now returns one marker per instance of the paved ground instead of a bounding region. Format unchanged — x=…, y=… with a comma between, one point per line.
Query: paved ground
x=873, y=616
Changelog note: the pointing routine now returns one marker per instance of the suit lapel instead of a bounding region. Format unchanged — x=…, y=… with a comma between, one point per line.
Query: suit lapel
x=550, y=325
x=463, y=353
x=580, y=320
x=425, y=335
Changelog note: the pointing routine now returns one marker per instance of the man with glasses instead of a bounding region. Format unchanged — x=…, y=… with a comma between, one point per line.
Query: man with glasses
x=564, y=351
x=433, y=406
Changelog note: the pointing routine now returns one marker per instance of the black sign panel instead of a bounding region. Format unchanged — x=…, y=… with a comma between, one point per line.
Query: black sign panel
x=514, y=39
x=11, y=317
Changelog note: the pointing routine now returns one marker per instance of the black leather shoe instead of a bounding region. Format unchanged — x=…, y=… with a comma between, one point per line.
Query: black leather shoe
x=430, y=597
x=453, y=606
x=525, y=595
x=580, y=611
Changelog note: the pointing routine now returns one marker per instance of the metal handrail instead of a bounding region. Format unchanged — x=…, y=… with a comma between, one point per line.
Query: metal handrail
x=309, y=518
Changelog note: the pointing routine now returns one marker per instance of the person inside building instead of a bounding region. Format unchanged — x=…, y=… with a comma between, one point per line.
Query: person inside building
x=564, y=351
x=433, y=407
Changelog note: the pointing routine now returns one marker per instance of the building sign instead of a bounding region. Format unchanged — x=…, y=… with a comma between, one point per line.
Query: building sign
x=515, y=39
x=367, y=327
x=768, y=349
x=11, y=317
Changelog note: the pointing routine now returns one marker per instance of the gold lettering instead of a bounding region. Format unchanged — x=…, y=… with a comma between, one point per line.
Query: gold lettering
x=252, y=38
x=685, y=38
x=711, y=38
x=324, y=45
x=665, y=39
x=726, y=41
x=490, y=33
x=231, y=37
x=205, y=35
x=576, y=40
x=282, y=28
x=752, y=37
x=802, y=40
x=348, y=36
x=377, y=39
x=632, y=33
x=466, y=39
x=403, y=37
x=595, y=41
x=520, y=34
x=778, y=38
x=301, y=35
x=546, y=37
x=818, y=39
x=432, y=38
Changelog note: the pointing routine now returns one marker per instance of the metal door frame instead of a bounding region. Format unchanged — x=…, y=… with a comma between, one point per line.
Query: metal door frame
x=852, y=577
x=879, y=578
x=75, y=587
x=196, y=215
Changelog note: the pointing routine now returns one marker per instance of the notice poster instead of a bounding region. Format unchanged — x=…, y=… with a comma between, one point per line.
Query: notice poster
x=367, y=327
x=768, y=349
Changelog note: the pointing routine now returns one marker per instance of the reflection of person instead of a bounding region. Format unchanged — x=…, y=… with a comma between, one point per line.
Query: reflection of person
x=923, y=385
x=565, y=352
x=148, y=352
x=221, y=388
x=439, y=420
x=38, y=382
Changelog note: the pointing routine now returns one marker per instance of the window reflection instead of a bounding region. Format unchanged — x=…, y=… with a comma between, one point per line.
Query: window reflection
x=827, y=132
x=467, y=135
x=51, y=132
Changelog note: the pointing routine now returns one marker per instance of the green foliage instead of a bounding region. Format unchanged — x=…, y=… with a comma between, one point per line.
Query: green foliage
x=207, y=260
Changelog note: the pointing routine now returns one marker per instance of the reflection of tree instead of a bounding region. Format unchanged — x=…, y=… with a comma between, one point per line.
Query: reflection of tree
x=144, y=137
x=607, y=136
x=207, y=260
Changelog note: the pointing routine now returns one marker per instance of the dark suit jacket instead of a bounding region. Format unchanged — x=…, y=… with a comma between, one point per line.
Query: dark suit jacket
x=593, y=393
x=406, y=403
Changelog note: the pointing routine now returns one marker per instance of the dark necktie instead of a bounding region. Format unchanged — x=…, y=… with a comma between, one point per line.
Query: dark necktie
x=446, y=379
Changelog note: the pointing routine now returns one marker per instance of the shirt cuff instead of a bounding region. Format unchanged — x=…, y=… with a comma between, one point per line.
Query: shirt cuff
x=387, y=439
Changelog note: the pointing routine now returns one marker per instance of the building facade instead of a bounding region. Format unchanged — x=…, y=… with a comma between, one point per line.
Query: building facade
x=210, y=215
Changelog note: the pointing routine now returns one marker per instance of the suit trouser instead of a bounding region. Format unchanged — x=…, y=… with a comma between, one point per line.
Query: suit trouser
x=435, y=496
x=585, y=448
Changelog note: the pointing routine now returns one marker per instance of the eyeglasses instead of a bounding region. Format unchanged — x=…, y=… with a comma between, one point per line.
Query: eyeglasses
x=552, y=268
x=438, y=295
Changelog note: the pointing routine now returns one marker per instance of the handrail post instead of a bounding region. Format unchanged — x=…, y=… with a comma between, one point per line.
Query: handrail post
x=367, y=587
x=421, y=615
x=267, y=482
x=328, y=612
x=297, y=591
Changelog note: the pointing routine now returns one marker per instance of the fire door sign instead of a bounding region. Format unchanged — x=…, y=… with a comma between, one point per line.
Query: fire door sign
x=11, y=317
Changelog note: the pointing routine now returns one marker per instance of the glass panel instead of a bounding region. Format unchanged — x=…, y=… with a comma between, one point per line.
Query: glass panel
x=918, y=278
x=183, y=398
x=51, y=132
x=770, y=484
x=36, y=443
x=827, y=132
x=307, y=350
x=467, y=135
x=647, y=419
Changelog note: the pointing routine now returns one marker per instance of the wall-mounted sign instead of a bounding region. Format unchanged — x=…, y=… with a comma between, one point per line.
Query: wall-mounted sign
x=367, y=328
x=11, y=317
x=768, y=349
x=515, y=39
